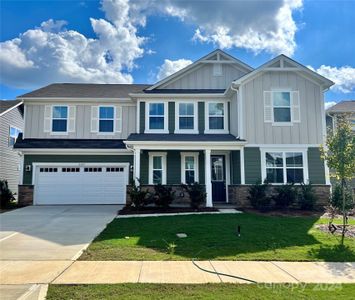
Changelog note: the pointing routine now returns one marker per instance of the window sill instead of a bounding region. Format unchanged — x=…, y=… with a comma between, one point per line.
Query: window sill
x=156, y=131
x=190, y=131
x=106, y=133
x=59, y=133
x=216, y=131
x=282, y=124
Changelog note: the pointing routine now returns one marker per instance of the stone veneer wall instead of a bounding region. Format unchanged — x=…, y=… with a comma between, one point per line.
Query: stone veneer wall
x=238, y=195
x=25, y=194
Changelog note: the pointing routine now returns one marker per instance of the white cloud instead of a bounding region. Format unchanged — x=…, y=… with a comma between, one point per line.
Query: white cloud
x=343, y=77
x=329, y=104
x=51, y=53
x=171, y=66
x=253, y=25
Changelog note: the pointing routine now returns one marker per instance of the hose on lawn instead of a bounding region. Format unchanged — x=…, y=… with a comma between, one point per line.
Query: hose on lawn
x=219, y=273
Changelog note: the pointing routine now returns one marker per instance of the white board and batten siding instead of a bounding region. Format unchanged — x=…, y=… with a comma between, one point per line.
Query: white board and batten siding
x=80, y=121
x=57, y=184
x=9, y=159
x=306, y=104
x=202, y=77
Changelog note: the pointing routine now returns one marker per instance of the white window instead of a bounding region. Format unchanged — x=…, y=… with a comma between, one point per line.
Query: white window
x=156, y=117
x=157, y=167
x=281, y=106
x=106, y=119
x=60, y=119
x=281, y=167
x=189, y=167
x=186, y=117
x=216, y=117
x=13, y=135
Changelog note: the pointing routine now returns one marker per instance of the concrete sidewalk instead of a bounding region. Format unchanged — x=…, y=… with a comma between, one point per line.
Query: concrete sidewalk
x=98, y=272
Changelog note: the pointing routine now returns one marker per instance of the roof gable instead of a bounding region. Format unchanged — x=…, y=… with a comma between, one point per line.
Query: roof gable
x=8, y=105
x=216, y=57
x=284, y=63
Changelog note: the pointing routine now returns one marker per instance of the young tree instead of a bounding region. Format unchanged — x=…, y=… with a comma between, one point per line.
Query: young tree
x=339, y=153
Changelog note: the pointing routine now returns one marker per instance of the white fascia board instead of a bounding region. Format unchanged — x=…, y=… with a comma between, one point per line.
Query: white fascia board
x=142, y=97
x=76, y=99
x=283, y=145
x=187, y=145
x=11, y=108
x=76, y=151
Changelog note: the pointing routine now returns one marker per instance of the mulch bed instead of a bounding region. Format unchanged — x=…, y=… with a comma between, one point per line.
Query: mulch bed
x=350, y=230
x=159, y=210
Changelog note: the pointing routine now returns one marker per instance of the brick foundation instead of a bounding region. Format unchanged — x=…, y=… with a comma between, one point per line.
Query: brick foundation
x=25, y=194
x=238, y=195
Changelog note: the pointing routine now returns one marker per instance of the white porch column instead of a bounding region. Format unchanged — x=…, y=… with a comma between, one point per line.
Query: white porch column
x=242, y=166
x=208, y=178
x=137, y=165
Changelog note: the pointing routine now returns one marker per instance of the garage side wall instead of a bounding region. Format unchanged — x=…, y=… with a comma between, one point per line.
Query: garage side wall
x=30, y=159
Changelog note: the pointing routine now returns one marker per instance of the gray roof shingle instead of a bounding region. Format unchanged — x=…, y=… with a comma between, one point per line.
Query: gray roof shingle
x=342, y=107
x=7, y=104
x=86, y=90
x=68, y=144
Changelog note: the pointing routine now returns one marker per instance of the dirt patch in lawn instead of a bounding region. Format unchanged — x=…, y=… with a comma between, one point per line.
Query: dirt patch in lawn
x=350, y=230
x=286, y=213
x=160, y=210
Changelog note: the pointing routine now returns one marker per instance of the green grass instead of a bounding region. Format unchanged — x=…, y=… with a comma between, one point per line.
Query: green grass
x=202, y=291
x=214, y=237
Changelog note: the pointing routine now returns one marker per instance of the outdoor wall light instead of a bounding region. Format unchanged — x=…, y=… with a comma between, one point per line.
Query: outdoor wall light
x=28, y=168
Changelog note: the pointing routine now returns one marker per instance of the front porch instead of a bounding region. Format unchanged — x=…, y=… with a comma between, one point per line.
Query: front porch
x=215, y=164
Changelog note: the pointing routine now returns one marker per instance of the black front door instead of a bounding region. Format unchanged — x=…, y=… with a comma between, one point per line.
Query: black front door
x=218, y=176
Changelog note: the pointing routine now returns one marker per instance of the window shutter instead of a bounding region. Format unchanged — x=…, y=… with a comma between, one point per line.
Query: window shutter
x=94, y=119
x=72, y=114
x=268, y=106
x=295, y=101
x=47, y=118
x=118, y=118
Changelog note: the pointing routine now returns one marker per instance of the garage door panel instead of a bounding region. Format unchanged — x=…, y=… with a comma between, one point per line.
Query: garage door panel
x=81, y=185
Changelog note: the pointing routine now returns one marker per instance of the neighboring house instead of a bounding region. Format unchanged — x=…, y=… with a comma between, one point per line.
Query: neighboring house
x=218, y=122
x=343, y=108
x=11, y=125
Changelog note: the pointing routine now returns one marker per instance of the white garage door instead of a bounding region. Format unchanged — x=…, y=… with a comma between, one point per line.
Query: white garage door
x=80, y=184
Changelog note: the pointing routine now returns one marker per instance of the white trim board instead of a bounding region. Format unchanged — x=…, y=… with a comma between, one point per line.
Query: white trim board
x=11, y=108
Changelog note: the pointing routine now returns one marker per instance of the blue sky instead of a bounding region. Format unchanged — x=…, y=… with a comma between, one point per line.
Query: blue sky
x=138, y=38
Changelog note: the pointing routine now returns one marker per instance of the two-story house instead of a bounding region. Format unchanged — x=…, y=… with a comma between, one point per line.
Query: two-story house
x=11, y=125
x=218, y=122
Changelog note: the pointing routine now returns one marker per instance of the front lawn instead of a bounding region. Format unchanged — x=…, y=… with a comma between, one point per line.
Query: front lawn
x=201, y=291
x=213, y=237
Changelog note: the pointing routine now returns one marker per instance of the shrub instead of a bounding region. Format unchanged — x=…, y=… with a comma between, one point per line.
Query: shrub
x=163, y=196
x=258, y=196
x=196, y=193
x=285, y=195
x=336, y=199
x=6, y=196
x=306, y=197
x=138, y=196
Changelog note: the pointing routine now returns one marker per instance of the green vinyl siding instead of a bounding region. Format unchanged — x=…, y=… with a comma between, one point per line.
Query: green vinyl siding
x=171, y=116
x=141, y=117
x=173, y=165
x=252, y=162
x=315, y=166
x=201, y=117
x=235, y=167
x=30, y=159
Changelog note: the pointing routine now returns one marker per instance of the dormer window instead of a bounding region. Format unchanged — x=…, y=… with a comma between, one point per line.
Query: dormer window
x=156, y=117
x=186, y=117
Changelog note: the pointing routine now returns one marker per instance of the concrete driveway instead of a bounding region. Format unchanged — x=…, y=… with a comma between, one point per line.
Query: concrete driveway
x=51, y=232
x=38, y=243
